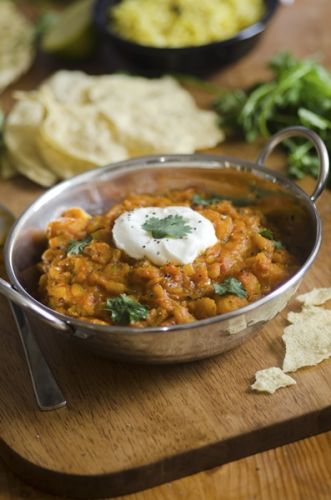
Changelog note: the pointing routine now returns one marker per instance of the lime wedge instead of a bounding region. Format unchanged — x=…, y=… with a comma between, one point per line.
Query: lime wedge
x=72, y=34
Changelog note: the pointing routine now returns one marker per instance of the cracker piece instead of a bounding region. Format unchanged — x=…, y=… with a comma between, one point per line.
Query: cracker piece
x=315, y=297
x=308, y=339
x=307, y=313
x=271, y=379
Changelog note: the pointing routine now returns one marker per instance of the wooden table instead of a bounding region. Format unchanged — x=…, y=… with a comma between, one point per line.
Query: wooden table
x=299, y=470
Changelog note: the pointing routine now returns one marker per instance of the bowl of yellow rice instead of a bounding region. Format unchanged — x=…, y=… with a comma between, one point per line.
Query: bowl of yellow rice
x=181, y=36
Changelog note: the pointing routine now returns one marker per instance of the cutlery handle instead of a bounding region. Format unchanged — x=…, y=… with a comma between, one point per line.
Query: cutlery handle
x=14, y=296
x=47, y=392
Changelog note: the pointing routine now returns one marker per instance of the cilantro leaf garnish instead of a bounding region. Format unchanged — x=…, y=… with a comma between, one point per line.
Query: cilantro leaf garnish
x=266, y=233
x=230, y=286
x=76, y=247
x=216, y=198
x=125, y=310
x=173, y=226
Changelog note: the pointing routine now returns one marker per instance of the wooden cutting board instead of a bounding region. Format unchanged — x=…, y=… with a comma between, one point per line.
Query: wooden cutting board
x=129, y=427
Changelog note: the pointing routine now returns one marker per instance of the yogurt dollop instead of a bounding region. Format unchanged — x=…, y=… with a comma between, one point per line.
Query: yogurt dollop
x=130, y=236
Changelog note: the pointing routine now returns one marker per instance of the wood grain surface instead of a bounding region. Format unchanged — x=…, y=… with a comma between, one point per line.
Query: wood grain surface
x=185, y=406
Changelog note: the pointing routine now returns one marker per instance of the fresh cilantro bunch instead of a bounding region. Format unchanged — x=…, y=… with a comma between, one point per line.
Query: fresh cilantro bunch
x=298, y=94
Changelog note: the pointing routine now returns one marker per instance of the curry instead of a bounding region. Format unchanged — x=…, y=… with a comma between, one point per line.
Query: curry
x=86, y=276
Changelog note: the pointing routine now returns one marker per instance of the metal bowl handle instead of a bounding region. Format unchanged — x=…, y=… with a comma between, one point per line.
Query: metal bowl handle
x=320, y=147
x=28, y=305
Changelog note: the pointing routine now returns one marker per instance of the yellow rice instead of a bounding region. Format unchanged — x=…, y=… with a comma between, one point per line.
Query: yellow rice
x=180, y=23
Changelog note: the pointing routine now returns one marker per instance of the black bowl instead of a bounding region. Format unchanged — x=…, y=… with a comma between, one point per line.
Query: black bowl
x=195, y=60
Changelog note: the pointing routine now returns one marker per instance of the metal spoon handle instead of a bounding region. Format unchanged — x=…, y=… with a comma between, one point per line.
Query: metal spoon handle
x=13, y=295
x=47, y=392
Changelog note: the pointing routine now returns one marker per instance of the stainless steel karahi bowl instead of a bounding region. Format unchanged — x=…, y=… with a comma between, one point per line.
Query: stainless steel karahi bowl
x=96, y=191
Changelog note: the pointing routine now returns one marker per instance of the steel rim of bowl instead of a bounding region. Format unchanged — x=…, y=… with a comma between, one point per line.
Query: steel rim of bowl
x=214, y=162
x=100, y=17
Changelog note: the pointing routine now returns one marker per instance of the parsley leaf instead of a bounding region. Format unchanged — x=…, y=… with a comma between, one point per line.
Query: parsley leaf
x=266, y=233
x=215, y=198
x=230, y=286
x=76, y=247
x=125, y=310
x=173, y=226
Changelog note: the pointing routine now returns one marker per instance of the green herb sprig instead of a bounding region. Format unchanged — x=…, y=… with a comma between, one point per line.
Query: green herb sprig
x=299, y=93
x=173, y=226
x=216, y=198
x=267, y=233
x=230, y=286
x=125, y=310
x=76, y=247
